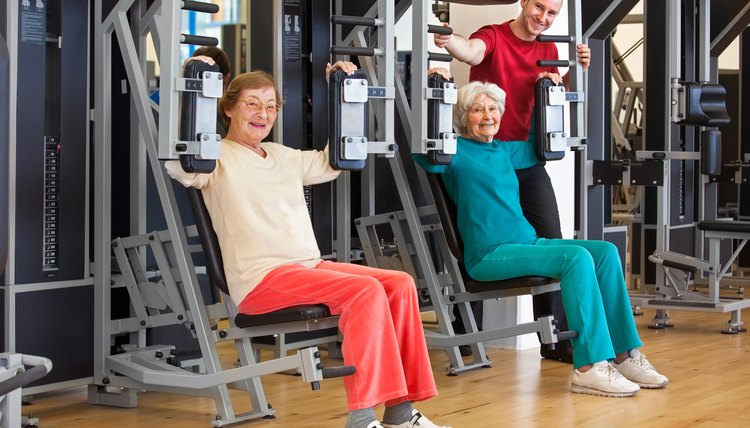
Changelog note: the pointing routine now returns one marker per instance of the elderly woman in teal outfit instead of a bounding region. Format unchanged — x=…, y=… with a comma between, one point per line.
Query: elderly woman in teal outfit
x=499, y=243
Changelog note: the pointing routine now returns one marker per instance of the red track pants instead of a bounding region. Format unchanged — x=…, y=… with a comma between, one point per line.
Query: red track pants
x=379, y=318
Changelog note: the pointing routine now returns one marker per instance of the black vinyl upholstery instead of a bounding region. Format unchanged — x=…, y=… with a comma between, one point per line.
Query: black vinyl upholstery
x=540, y=121
x=706, y=104
x=188, y=122
x=448, y=218
x=724, y=226
x=336, y=118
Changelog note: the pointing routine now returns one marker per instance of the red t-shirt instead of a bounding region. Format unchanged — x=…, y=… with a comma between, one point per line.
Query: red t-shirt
x=510, y=63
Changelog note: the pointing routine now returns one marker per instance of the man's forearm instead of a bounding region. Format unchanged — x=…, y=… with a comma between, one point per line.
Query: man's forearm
x=465, y=50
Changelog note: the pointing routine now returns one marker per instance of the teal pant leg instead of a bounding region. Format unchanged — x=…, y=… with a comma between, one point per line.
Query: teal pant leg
x=609, y=277
x=593, y=290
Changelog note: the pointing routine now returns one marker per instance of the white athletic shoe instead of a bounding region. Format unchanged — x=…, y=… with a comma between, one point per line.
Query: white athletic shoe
x=417, y=420
x=374, y=424
x=603, y=379
x=637, y=369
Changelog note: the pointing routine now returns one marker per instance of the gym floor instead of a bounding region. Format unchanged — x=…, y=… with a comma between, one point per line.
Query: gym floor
x=709, y=387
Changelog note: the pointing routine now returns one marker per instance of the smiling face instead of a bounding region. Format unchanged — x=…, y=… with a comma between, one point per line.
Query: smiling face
x=482, y=119
x=252, y=117
x=536, y=16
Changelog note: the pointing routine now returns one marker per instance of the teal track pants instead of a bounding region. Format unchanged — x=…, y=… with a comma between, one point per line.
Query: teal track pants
x=593, y=290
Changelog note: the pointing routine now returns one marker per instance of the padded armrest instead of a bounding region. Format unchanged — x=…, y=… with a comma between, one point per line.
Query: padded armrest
x=540, y=121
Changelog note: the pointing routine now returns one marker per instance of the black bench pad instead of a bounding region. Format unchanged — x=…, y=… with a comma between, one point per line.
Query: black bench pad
x=295, y=313
x=724, y=226
x=473, y=286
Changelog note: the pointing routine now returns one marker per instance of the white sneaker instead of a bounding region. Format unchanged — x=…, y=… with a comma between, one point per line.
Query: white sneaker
x=603, y=379
x=374, y=424
x=416, y=421
x=637, y=369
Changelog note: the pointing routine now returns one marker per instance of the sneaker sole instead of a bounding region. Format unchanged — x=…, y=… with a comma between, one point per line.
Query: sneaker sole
x=591, y=391
x=652, y=385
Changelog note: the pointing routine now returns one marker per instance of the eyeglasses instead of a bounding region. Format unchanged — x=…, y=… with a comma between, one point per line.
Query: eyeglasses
x=254, y=105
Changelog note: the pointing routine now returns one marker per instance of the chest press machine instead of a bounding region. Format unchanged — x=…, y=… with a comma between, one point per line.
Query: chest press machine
x=125, y=363
x=348, y=96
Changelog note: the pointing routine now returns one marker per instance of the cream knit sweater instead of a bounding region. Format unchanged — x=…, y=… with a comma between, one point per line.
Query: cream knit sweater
x=258, y=208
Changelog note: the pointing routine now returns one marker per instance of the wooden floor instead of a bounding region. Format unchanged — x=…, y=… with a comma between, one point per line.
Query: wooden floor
x=710, y=386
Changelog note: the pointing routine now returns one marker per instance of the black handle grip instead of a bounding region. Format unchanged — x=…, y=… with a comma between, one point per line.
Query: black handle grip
x=555, y=63
x=190, y=39
x=353, y=20
x=339, y=371
x=439, y=29
x=434, y=56
x=200, y=6
x=352, y=51
x=566, y=335
x=555, y=39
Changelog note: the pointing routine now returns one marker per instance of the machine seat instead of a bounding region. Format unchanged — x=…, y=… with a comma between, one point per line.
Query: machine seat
x=473, y=286
x=725, y=226
x=294, y=313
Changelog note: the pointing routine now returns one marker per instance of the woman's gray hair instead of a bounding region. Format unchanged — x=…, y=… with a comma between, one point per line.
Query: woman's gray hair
x=467, y=94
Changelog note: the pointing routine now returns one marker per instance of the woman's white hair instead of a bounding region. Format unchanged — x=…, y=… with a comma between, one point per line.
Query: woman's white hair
x=468, y=94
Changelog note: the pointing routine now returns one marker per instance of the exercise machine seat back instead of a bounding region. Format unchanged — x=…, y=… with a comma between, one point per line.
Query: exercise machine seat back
x=215, y=268
x=448, y=214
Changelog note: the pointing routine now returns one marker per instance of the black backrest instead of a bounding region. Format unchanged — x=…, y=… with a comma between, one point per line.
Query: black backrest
x=209, y=240
x=448, y=214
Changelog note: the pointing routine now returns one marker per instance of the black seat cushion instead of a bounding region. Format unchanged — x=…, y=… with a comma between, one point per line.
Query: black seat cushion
x=295, y=313
x=473, y=286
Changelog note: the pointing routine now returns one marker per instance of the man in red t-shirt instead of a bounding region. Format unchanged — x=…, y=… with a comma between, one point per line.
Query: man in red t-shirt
x=506, y=54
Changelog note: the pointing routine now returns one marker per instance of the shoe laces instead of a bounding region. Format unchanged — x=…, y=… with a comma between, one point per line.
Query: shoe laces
x=642, y=362
x=606, y=368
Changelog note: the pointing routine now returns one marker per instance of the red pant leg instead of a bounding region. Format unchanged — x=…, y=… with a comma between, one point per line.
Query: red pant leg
x=371, y=342
x=402, y=299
